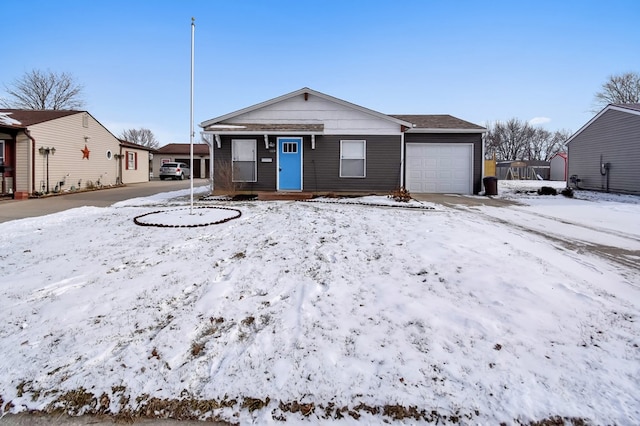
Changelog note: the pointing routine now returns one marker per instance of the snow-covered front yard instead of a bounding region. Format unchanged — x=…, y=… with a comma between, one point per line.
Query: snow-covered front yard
x=325, y=312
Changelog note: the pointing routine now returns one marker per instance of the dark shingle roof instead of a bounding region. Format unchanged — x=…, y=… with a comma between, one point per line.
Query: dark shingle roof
x=437, y=121
x=184, y=149
x=31, y=117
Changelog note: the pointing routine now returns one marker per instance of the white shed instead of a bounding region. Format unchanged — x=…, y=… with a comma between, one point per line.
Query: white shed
x=558, y=166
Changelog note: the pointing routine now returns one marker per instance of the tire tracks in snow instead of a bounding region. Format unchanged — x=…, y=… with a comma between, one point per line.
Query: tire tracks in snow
x=627, y=258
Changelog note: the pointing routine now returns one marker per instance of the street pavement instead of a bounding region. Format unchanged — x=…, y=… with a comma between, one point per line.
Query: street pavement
x=20, y=209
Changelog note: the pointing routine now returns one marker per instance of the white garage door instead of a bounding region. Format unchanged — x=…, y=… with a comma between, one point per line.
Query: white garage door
x=439, y=168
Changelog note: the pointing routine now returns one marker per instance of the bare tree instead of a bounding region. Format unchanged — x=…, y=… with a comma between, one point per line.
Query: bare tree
x=545, y=144
x=142, y=136
x=618, y=89
x=509, y=140
x=39, y=90
x=518, y=140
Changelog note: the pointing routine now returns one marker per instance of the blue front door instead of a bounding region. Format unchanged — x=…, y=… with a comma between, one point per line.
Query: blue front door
x=289, y=164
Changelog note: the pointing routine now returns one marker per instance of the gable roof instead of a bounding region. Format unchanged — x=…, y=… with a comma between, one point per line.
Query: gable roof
x=303, y=91
x=30, y=117
x=633, y=109
x=438, y=123
x=184, y=149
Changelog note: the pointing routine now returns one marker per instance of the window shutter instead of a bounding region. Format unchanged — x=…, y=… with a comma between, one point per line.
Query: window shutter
x=135, y=159
x=126, y=162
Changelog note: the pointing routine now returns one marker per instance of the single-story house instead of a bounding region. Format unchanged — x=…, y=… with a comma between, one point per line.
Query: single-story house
x=604, y=154
x=181, y=152
x=309, y=141
x=134, y=162
x=53, y=150
x=558, y=165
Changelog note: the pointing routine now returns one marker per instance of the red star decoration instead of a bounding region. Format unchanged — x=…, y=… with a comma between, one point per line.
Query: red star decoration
x=85, y=152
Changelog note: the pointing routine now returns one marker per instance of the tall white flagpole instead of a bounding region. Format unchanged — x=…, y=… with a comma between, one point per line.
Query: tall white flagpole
x=193, y=28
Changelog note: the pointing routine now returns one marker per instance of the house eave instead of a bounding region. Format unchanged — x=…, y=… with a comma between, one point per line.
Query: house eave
x=263, y=132
x=436, y=130
x=303, y=91
x=609, y=107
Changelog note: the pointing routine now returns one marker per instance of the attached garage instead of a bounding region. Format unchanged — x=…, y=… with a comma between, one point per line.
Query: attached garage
x=442, y=154
x=439, y=168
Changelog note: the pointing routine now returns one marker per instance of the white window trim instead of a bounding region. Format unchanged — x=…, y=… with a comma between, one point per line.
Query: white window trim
x=255, y=160
x=1, y=151
x=364, y=158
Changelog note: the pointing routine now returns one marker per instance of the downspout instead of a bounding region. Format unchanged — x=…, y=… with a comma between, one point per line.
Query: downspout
x=33, y=160
x=402, y=158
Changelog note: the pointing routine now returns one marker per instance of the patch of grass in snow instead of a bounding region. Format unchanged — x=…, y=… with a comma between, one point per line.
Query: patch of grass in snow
x=118, y=405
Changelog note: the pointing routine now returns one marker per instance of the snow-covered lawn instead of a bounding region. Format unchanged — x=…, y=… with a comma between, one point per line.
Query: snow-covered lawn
x=327, y=312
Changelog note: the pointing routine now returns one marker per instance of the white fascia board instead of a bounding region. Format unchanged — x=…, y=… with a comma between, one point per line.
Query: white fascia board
x=302, y=91
x=418, y=130
x=261, y=132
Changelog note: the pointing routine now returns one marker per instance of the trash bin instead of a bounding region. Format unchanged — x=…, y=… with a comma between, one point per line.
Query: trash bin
x=490, y=185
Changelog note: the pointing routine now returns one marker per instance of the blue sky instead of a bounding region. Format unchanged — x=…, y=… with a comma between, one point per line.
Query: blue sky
x=478, y=60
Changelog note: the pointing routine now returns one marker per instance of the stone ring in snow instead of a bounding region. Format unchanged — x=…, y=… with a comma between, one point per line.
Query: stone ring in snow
x=182, y=218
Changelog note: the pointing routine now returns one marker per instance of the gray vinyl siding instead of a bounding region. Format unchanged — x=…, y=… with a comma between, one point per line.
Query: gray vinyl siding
x=474, y=138
x=321, y=166
x=266, y=172
x=321, y=169
x=615, y=136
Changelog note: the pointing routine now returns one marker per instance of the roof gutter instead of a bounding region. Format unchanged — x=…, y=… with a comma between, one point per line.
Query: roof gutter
x=436, y=130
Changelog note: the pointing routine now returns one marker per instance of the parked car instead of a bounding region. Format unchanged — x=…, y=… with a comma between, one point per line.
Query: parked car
x=174, y=171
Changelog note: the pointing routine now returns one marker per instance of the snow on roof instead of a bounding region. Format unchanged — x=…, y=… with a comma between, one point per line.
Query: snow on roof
x=5, y=120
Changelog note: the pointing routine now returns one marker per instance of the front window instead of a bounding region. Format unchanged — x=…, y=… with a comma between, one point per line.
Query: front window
x=353, y=158
x=132, y=160
x=243, y=154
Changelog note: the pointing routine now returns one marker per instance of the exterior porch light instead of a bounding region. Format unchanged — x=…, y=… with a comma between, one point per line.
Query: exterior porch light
x=45, y=152
x=313, y=141
x=218, y=142
x=266, y=141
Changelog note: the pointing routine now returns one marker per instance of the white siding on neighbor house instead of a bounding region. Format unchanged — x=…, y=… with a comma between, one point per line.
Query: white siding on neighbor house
x=614, y=137
x=337, y=119
x=67, y=136
x=140, y=171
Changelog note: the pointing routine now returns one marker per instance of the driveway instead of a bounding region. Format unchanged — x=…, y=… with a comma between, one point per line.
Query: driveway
x=543, y=225
x=20, y=209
